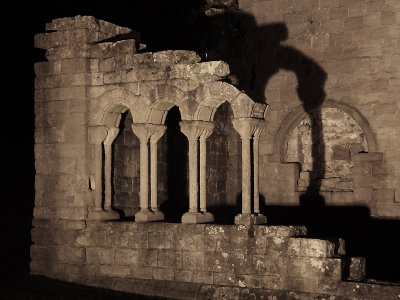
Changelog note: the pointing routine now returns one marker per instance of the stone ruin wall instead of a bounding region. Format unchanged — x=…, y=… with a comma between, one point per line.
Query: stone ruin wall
x=69, y=246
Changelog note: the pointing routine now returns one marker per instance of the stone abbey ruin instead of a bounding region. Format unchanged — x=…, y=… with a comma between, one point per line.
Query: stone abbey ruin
x=219, y=175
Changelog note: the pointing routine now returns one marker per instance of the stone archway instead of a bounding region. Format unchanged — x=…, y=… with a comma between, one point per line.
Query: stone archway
x=102, y=137
x=282, y=136
x=346, y=133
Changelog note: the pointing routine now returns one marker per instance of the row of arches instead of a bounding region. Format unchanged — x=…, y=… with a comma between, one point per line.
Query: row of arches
x=197, y=112
x=195, y=127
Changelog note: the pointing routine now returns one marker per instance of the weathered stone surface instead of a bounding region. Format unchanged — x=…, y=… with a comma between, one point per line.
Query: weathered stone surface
x=92, y=78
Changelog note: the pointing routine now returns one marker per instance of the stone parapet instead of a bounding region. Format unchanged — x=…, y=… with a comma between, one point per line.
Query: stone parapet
x=197, y=259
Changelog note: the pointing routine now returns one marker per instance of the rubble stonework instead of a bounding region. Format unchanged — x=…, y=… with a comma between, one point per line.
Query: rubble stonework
x=95, y=75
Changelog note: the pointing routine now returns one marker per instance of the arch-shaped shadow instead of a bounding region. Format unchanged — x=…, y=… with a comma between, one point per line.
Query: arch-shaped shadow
x=255, y=53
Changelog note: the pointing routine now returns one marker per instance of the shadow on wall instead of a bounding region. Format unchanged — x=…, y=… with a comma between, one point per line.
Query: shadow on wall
x=374, y=239
x=255, y=54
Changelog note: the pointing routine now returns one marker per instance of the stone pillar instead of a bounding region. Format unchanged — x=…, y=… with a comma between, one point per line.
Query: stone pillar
x=146, y=132
x=112, y=133
x=96, y=136
x=256, y=137
x=157, y=131
x=141, y=131
x=193, y=131
x=203, y=167
x=247, y=129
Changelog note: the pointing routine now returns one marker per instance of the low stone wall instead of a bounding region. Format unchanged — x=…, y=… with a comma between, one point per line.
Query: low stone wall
x=192, y=256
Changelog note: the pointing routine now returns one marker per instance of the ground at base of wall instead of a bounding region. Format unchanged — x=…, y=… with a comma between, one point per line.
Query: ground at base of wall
x=132, y=288
x=35, y=287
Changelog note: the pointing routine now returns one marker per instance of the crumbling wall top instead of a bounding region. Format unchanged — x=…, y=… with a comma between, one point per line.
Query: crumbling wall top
x=86, y=22
x=64, y=32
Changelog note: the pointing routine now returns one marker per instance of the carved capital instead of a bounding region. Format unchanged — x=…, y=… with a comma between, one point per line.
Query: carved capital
x=208, y=130
x=156, y=132
x=97, y=134
x=141, y=131
x=148, y=131
x=112, y=133
x=196, y=129
x=258, y=132
x=248, y=127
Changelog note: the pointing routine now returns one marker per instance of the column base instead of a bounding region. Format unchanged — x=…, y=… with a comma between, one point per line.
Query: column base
x=250, y=219
x=197, y=217
x=102, y=214
x=149, y=216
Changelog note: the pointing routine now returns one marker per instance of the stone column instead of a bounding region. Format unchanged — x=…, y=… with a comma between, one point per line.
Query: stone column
x=142, y=132
x=256, y=137
x=146, y=132
x=247, y=127
x=157, y=132
x=193, y=130
x=96, y=137
x=203, y=166
x=112, y=133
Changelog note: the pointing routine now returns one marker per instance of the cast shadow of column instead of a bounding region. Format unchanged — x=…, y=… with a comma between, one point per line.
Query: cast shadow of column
x=255, y=53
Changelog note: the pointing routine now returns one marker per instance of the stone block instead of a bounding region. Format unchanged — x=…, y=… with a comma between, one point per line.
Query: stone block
x=192, y=260
x=375, y=6
x=265, y=265
x=357, y=268
x=170, y=259
x=343, y=197
x=73, y=213
x=45, y=212
x=138, y=239
x=118, y=238
x=78, y=65
x=363, y=195
x=340, y=152
x=90, y=238
x=156, y=240
x=383, y=195
x=127, y=257
x=163, y=274
x=353, y=23
x=142, y=272
x=304, y=284
x=330, y=3
x=202, y=277
x=114, y=271
x=65, y=38
x=317, y=248
x=336, y=27
x=63, y=80
x=107, y=65
x=357, y=10
x=69, y=52
x=99, y=255
x=47, y=68
x=315, y=267
x=183, y=276
x=387, y=209
x=70, y=254
x=388, y=17
x=338, y=13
